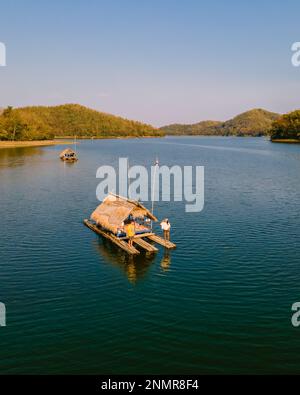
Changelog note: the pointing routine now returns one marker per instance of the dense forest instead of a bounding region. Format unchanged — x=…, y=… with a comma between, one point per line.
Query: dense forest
x=252, y=123
x=44, y=123
x=287, y=127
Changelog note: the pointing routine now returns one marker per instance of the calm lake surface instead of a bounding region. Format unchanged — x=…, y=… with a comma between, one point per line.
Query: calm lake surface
x=220, y=303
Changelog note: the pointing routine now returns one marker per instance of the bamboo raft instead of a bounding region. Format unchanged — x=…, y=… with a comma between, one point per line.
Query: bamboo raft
x=108, y=221
x=139, y=240
x=119, y=242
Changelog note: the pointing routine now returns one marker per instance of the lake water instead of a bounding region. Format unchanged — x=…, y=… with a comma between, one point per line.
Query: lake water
x=220, y=303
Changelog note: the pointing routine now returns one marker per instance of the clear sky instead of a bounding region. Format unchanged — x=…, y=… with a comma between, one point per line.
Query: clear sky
x=158, y=61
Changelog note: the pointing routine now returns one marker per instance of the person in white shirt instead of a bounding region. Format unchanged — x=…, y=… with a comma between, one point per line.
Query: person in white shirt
x=166, y=227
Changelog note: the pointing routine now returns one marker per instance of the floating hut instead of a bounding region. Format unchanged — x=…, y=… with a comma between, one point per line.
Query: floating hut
x=109, y=220
x=68, y=155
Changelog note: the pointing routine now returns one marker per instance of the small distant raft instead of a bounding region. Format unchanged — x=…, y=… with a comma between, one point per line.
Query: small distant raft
x=109, y=220
x=68, y=155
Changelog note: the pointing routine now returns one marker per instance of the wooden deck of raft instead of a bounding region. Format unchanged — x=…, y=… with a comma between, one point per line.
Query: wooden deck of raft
x=138, y=240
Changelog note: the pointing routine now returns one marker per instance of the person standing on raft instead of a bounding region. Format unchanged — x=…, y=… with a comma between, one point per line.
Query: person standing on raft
x=166, y=227
x=130, y=230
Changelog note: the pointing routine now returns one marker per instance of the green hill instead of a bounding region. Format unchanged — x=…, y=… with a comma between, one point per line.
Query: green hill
x=40, y=123
x=251, y=123
x=287, y=128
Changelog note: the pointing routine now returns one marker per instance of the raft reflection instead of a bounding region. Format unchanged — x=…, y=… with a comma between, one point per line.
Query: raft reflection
x=166, y=261
x=135, y=268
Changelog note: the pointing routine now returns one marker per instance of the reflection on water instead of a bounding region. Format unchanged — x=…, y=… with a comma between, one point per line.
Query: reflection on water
x=166, y=262
x=134, y=268
x=67, y=165
x=14, y=157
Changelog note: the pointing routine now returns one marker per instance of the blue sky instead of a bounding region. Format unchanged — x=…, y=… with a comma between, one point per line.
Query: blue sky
x=158, y=61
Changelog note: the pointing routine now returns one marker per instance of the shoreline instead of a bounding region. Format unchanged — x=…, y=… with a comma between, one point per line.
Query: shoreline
x=38, y=143
x=64, y=141
x=108, y=138
x=69, y=140
x=286, y=141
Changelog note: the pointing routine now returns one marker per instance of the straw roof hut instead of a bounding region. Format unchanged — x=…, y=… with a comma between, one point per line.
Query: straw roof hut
x=114, y=210
x=68, y=155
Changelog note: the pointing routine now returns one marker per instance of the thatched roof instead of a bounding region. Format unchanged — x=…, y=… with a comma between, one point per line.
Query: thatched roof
x=115, y=210
x=67, y=151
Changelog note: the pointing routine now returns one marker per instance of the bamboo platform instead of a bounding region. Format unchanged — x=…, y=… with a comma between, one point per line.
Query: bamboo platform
x=71, y=160
x=159, y=240
x=138, y=240
x=120, y=243
x=144, y=245
x=142, y=236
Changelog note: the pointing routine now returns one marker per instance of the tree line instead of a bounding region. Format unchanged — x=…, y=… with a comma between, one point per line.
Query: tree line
x=45, y=123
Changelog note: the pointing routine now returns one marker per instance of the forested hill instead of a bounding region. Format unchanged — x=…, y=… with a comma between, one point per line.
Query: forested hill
x=40, y=123
x=201, y=128
x=287, y=128
x=256, y=122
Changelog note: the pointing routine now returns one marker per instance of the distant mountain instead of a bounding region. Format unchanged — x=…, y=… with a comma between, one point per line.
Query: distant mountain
x=201, y=128
x=37, y=123
x=256, y=122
